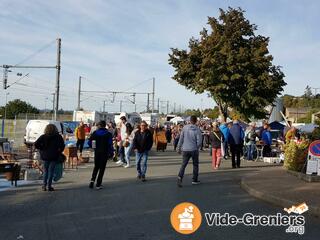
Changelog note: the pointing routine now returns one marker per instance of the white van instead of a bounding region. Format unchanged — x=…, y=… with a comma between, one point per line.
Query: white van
x=35, y=128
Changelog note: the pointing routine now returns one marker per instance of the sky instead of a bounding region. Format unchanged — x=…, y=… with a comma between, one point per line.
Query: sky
x=120, y=45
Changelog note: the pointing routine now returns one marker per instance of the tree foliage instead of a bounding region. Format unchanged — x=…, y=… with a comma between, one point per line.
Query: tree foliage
x=211, y=113
x=193, y=112
x=16, y=107
x=306, y=100
x=232, y=64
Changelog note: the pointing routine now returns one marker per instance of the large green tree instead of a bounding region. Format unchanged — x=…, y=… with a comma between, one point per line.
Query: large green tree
x=232, y=64
x=16, y=107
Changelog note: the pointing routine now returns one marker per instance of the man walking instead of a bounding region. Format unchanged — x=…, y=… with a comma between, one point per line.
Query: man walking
x=101, y=142
x=235, y=140
x=250, y=140
x=225, y=131
x=142, y=143
x=189, y=144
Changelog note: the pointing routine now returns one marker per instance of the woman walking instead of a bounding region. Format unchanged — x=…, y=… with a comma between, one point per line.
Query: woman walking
x=160, y=139
x=176, y=135
x=216, y=138
x=128, y=143
x=51, y=146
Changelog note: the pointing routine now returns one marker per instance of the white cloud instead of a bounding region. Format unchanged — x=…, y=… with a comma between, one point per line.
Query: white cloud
x=117, y=44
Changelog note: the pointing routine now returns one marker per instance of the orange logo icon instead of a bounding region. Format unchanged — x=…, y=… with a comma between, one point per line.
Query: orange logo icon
x=186, y=218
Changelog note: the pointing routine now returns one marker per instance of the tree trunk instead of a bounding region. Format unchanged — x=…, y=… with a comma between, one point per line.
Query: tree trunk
x=223, y=109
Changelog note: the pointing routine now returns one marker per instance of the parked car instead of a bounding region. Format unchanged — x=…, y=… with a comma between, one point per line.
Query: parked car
x=35, y=128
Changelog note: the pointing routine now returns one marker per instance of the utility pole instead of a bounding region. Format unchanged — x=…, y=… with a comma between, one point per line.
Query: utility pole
x=45, y=106
x=167, y=107
x=174, y=108
x=153, y=92
x=57, y=78
x=5, y=115
x=5, y=77
x=104, y=106
x=158, y=105
x=79, y=93
x=148, y=99
x=53, y=101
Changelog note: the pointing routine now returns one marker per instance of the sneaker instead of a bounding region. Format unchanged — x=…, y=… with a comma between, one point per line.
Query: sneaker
x=127, y=166
x=99, y=187
x=143, y=178
x=179, y=182
x=196, y=182
x=50, y=189
x=91, y=184
x=138, y=177
x=119, y=162
x=44, y=188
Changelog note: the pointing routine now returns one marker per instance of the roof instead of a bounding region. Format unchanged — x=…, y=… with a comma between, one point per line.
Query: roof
x=317, y=114
x=298, y=110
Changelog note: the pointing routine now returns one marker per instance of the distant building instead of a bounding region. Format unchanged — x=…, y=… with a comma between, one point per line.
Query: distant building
x=315, y=117
x=293, y=114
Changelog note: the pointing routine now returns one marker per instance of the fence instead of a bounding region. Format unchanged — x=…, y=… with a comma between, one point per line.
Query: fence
x=14, y=129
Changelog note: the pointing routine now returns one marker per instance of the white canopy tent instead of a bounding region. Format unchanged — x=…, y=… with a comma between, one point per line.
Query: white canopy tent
x=177, y=120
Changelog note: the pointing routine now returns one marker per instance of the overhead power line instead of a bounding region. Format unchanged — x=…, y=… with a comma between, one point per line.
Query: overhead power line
x=36, y=53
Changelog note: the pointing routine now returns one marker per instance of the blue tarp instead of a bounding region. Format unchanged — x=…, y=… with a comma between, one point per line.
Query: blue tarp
x=277, y=126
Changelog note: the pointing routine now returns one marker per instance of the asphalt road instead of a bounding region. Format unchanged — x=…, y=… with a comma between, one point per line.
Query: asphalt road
x=129, y=209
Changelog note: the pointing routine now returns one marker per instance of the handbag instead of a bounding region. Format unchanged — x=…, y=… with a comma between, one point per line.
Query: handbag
x=62, y=158
x=222, y=150
x=126, y=143
x=222, y=147
x=58, y=172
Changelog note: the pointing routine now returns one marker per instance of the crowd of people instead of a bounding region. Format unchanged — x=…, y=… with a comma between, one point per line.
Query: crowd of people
x=118, y=142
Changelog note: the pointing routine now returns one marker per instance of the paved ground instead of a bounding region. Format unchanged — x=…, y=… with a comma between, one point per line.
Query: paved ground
x=283, y=189
x=129, y=209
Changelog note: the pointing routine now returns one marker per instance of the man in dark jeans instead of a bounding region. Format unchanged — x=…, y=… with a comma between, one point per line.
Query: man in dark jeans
x=235, y=139
x=189, y=144
x=101, y=141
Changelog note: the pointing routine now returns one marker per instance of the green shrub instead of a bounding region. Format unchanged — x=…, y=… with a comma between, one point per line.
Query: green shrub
x=296, y=155
x=315, y=134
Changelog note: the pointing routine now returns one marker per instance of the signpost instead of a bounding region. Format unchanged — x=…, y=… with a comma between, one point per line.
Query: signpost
x=313, y=165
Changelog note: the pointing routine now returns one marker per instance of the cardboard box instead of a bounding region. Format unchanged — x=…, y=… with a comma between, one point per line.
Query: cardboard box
x=272, y=160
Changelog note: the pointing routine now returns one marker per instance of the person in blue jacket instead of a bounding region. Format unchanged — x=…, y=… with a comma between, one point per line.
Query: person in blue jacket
x=101, y=142
x=225, y=131
x=235, y=140
x=267, y=141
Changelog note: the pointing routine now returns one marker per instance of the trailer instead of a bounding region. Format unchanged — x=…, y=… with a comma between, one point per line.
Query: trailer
x=132, y=118
x=151, y=118
x=92, y=116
